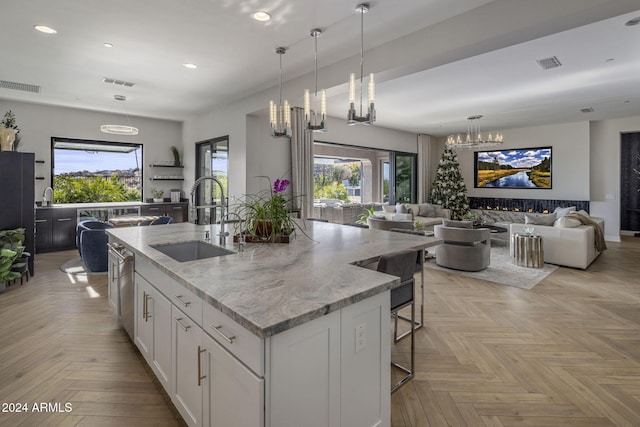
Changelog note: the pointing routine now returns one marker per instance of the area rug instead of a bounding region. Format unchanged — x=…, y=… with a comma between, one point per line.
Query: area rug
x=502, y=270
x=75, y=266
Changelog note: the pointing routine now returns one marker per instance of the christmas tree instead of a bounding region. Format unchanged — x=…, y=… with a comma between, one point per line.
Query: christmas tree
x=448, y=189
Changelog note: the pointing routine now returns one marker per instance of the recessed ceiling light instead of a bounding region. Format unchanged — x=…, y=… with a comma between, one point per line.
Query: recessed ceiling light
x=609, y=60
x=190, y=66
x=261, y=16
x=45, y=29
x=108, y=44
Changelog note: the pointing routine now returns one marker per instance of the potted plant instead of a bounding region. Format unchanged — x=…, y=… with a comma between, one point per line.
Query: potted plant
x=266, y=214
x=13, y=240
x=7, y=262
x=176, y=156
x=158, y=195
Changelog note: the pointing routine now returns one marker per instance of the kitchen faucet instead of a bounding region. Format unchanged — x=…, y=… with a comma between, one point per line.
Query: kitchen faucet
x=47, y=196
x=241, y=241
x=193, y=210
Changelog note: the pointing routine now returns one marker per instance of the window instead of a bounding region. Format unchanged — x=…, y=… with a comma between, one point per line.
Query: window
x=212, y=158
x=339, y=179
x=85, y=171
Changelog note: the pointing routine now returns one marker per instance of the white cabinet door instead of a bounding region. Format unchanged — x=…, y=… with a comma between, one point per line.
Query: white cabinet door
x=187, y=357
x=161, y=347
x=304, y=383
x=233, y=395
x=143, y=325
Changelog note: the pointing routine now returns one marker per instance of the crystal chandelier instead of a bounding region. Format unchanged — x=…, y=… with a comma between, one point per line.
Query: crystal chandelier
x=315, y=120
x=280, y=114
x=370, y=117
x=473, y=137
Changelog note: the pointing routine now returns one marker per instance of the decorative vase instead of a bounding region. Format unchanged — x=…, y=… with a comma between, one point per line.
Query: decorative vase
x=7, y=136
x=3, y=286
x=160, y=200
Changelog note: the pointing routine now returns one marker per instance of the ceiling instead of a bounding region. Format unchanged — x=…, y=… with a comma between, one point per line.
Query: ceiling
x=436, y=61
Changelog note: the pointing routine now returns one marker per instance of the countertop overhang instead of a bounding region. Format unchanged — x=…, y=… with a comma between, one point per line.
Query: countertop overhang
x=272, y=287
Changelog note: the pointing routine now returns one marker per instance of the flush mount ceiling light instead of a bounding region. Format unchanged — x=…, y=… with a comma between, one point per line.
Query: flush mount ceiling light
x=190, y=66
x=315, y=119
x=261, y=16
x=352, y=117
x=120, y=129
x=280, y=114
x=473, y=137
x=45, y=29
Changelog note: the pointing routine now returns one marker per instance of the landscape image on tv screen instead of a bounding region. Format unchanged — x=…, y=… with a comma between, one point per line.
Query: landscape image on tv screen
x=516, y=168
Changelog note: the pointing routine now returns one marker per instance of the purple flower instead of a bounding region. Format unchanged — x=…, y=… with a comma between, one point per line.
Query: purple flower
x=280, y=185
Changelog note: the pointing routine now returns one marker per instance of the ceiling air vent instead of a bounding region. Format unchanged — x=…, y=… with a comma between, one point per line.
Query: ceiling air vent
x=548, y=63
x=587, y=110
x=118, y=82
x=19, y=86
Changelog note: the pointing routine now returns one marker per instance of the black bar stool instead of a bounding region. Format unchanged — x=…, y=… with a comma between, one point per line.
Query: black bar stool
x=402, y=264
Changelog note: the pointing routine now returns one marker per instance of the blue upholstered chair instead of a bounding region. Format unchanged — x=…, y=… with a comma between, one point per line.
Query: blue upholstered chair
x=162, y=220
x=92, y=244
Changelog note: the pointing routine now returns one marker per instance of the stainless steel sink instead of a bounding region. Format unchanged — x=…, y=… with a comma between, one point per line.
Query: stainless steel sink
x=192, y=250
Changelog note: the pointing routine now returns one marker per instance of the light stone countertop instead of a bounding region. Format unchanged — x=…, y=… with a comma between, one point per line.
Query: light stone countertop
x=272, y=287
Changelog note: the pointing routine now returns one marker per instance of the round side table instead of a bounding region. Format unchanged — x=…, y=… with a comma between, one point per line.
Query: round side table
x=528, y=251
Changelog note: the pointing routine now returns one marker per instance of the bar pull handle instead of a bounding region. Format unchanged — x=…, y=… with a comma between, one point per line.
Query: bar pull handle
x=185, y=303
x=223, y=335
x=182, y=325
x=200, y=377
x=146, y=308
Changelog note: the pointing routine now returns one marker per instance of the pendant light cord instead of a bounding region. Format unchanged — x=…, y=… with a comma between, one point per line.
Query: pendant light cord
x=361, y=54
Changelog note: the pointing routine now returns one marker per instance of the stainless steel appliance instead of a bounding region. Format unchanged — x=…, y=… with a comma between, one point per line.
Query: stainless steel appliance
x=121, y=285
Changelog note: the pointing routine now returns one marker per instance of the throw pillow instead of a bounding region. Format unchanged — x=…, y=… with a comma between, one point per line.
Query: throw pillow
x=389, y=208
x=457, y=224
x=560, y=212
x=400, y=208
x=565, y=222
x=540, y=219
x=427, y=210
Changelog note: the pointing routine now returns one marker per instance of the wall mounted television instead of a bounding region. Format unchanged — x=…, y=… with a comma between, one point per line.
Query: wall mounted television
x=514, y=168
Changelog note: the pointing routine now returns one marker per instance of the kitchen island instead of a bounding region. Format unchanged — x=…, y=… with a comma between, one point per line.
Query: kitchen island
x=283, y=334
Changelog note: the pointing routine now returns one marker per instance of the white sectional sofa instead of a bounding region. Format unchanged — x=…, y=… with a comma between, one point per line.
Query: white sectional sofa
x=436, y=213
x=569, y=247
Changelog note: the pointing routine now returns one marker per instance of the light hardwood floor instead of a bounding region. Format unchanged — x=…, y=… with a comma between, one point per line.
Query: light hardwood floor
x=566, y=353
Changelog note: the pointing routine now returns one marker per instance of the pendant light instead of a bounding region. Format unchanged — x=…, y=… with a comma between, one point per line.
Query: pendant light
x=120, y=129
x=473, y=138
x=314, y=118
x=353, y=117
x=280, y=114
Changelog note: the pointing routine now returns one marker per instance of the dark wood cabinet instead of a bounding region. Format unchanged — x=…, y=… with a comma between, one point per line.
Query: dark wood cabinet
x=44, y=220
x=178, y=211
x=63, y=228
x=17, y=172
x=55, y=229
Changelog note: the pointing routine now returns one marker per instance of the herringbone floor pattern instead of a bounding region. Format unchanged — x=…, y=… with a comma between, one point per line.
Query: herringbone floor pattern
x=60, y=343
x=566, y=353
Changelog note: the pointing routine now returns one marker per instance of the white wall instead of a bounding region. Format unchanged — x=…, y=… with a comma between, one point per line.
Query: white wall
x=38, y=123
x=570, y=153
x=605, y=168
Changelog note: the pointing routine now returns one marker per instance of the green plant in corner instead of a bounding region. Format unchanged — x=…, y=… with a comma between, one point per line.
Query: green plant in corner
x=7, y=263
x=176, y=156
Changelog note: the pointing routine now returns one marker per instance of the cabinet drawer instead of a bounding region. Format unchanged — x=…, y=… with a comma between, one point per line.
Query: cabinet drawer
x=188, y=302
x=160, y=280
x=236, y=339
